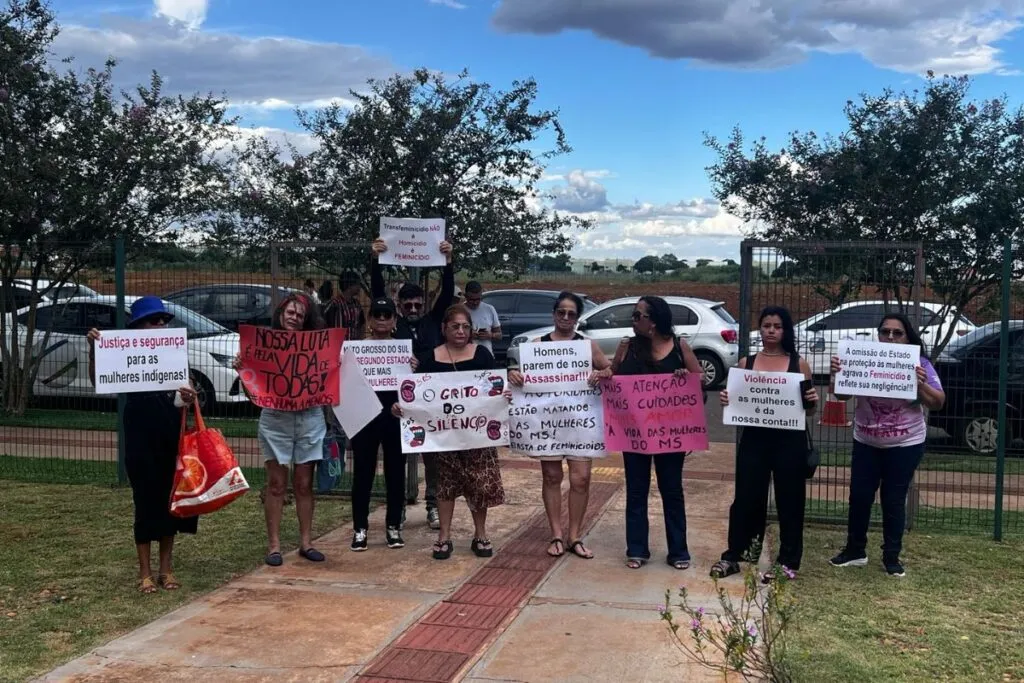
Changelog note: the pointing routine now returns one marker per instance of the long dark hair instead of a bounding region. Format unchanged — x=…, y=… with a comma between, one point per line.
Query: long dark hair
x=913, y=336
x=788, y=335
x=313, y=319
x=661, y=315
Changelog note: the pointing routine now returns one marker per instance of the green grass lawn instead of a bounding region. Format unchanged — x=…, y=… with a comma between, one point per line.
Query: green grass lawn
x=68, y=571
x=94, y=420
x=956, y=616
x=929, y=519
x=935, y=459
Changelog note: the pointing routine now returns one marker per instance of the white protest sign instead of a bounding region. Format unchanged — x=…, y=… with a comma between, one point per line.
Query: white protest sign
x=453, y=411
x=555, y=366
x=414, y=242
x=359, y=403
x=383, y=361
x=877, y=369
x=557, y=423
x=133, y=361
x=764, y=399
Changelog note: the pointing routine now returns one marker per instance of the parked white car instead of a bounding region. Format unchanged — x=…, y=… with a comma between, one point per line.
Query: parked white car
x=818, y=337
x=64, y=368
x=60, y=292
x=705, y=325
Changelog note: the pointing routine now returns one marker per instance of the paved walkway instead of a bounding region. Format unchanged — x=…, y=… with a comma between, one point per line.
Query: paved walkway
x=396, y=615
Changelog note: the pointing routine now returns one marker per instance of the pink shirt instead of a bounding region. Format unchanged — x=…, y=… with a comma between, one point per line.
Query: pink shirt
x=890, y=422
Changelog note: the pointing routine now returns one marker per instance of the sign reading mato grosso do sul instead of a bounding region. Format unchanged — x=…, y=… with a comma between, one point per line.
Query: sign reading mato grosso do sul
x=383, y=361
x=453, y=411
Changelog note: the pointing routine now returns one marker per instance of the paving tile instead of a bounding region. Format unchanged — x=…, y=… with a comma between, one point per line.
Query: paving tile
x=512, y=578
x=417, y=665
x=437, y=638
x=467, y=616
x=492, y=596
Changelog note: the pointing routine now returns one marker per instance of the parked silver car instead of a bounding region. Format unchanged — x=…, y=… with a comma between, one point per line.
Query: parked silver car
x=705, y=325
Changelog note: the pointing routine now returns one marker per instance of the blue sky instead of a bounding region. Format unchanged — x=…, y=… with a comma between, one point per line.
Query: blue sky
x=637, y=81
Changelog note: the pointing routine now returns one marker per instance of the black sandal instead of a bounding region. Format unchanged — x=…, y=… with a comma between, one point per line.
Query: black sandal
x=443, y=550
x=560, y=547
x=274, y=559
x=482, y=547
x=312, y=554
x=724, y=568
x=579, y=550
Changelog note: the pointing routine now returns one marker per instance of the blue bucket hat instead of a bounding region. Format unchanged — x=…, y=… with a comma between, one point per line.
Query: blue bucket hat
x=147, y=307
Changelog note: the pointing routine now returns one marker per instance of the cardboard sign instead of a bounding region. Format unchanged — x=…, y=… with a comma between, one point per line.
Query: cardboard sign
x=557, y=423
x=291, y=371
x=654, y=414
x=555, y=366
x=765, y=399
x=359, y=405
x=412, y=242
x=133, y=361
x=877, y=369
x=382, y=361
x=453, y=411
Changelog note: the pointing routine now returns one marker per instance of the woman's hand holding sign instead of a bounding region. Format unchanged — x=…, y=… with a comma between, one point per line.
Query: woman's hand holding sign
x=595, y=377
x=515, y=378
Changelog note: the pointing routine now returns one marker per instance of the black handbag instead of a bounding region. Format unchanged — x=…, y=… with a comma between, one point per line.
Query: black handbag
x=813, y=456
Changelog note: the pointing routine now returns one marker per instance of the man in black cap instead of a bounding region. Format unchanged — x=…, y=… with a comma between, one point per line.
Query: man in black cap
x=424, y=329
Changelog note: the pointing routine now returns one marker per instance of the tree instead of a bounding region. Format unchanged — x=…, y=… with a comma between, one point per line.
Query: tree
x=596, y=267
x=421, y=146
x=669, y=262
x=555, y=264
x=621, y=268
x=81, y=165
x=703, y=262
x=648, y=264
x=927, y=166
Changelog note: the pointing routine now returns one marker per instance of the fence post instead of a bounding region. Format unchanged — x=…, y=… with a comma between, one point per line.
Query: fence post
x=1004, y=359
x=914, y=492
x=119, y=321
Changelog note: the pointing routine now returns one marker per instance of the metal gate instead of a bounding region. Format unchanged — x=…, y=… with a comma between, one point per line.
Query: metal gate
x=834, y=290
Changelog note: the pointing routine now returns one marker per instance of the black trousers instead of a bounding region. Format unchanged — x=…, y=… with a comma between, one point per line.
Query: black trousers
x=763, y=456
x=383, y=431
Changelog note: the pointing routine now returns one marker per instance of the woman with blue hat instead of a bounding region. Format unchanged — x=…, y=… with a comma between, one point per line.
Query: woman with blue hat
x=152, y=426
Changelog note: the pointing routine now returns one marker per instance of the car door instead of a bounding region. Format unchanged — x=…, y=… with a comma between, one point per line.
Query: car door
x=58, y=342
x=505, y=304
x=608, y=325
x=685, y=322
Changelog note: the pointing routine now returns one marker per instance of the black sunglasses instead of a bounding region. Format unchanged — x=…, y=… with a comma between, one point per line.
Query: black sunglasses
x=637, y=316
x=565, y=313
x=382, y=315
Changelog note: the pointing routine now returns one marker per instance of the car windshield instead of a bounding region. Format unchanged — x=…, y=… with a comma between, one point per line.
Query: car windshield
x=588, y=305
x=723, y=314
x=197, y=326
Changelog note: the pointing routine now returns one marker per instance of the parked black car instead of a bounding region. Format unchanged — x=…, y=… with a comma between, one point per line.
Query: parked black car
x=230, y=305
x=969, y=370
x=520, y=310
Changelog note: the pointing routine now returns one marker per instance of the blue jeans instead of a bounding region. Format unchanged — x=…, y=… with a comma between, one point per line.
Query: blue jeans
x=669, y=468
x=326, y=479
x=893, y=469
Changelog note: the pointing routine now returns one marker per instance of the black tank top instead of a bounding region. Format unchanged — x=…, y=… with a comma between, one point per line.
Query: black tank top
x=632, y=365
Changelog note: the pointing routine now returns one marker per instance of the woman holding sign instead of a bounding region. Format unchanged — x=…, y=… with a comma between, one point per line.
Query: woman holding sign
x=151, y=455
x=768, y=453
x=568, y=308
x=473, y=474
x=654, y=350
x=888, y=444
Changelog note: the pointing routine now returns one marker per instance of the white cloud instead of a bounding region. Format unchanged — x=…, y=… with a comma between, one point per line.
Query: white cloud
x=453, y=4
x=580, y=194
x=948, y=36
x=191, y=13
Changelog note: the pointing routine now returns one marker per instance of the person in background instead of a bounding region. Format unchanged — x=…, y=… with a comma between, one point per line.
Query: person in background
x=291, y=438
x=486, y=326
x=655, y=350
x=382, y=433
x=152, y=427
x=888, y=444
x=325, y=294
x=424, y=329
x=344, y=309
x=309, y=289
x=474, y=473
x=765, y=454
x=568, y=308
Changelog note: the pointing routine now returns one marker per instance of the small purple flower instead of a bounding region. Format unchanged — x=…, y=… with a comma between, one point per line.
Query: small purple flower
x=752, y=631
x=790, y=574
x=700, y=611
x=662, y=610
x=695, y=624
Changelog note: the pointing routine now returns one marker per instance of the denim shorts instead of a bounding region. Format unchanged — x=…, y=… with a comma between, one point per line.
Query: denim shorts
x=292, y=438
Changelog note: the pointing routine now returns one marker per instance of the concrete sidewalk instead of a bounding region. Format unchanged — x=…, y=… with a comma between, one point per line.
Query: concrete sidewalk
x=398, y=615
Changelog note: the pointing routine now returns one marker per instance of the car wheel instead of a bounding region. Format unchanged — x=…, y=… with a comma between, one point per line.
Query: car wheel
x=712, y=368
x=205, y=395
x=979, y=433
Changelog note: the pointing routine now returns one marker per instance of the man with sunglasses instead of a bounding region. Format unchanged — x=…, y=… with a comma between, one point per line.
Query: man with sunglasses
x=424, y=329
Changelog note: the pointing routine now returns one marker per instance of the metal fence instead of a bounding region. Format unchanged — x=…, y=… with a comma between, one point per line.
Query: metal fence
x=969, y=479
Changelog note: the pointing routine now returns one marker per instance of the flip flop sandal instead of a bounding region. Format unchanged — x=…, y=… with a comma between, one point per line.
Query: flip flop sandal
x=312, y=554
x=560, y=547
x=146, y=586
x=680, y=564
x=443, y=550
x=635, y=562
x=482, y=547
x=579, y=550
x=724, y=568
x=168, y=582
x=274, y=559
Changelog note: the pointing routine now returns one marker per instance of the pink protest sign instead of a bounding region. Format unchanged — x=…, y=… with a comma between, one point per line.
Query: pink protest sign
x=654, y=414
